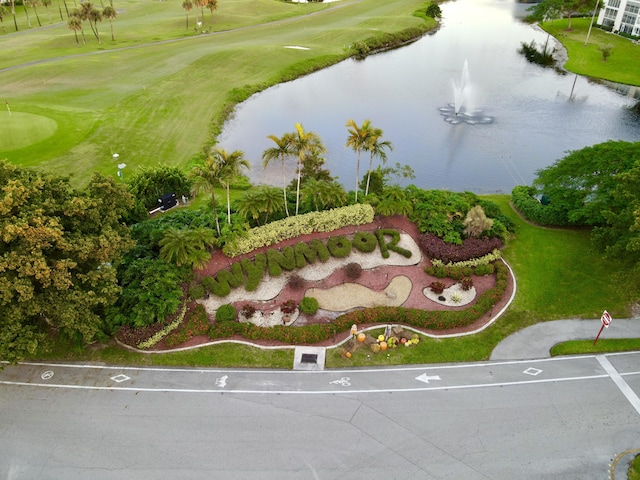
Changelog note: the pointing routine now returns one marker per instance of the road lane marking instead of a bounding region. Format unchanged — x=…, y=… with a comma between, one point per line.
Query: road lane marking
x=619, y=381
x=315, y=392
x=425, y=378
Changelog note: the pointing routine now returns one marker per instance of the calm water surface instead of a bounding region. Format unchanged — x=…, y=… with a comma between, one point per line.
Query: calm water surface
x=534, y=120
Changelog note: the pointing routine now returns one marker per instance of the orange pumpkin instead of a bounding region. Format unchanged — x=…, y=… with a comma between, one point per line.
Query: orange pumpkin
x=361, y=337
x=348, y=354
x=383, y=345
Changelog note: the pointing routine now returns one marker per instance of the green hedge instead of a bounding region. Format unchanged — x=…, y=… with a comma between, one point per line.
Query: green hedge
x=291, y=227
x=523, y=199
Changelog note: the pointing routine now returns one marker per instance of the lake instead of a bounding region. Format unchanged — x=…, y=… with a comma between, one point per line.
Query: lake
x=534, y=121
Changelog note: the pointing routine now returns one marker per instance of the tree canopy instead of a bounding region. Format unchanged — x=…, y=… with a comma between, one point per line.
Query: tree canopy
x=58, y=251
x=598, y=186
x=550, y=9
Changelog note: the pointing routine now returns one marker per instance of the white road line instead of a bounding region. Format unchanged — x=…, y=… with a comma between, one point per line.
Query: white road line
x=619, y=381
x=311, y=392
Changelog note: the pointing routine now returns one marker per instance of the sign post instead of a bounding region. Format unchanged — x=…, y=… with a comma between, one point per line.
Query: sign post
x=606, y=321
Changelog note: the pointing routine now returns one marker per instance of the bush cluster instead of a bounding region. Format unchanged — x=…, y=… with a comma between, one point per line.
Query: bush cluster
x=459, y=273
x=524, y=200
x=429, y=320
x=195, y=324
x=437, y=287
x=225, y=313
x=353, y=270
x=436, y=248
x=289, y=258
x=291, y=227
x=288, y=307
x=296, y=282
x=309, y=305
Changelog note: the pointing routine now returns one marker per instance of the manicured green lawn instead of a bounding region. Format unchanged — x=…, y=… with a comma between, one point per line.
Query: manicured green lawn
x=622, y=66
x=153, y=95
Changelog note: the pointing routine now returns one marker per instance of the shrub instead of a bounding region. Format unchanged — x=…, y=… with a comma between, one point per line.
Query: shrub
x=471, y=248
x=195, y=323
x=456, y=297
x=226, y=313
x=437, y=287
x=288, y=307
x=277, y=260
x=339, y=246
x=291, y=227
x=197, y=291
x=466, y=283
x=248, y=310
x=365, y=242
x=392, y=245
x=296, y=282
x=309, y=305
x=254, y=270
x=353, y=270
x=524, y=200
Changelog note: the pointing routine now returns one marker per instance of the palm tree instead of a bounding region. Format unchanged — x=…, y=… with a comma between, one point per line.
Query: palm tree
x=206, y=177
x=212, y=5
x=110, y=13
x=75, y=23
x=187, y=246
x=303, y=145
x=188, y=6
x=324, y=194
x=358, y=140
x=35, y=4
x=376, y=148
x=262, y=199
x=230, y=166
x=281, y=151
x=94, y=16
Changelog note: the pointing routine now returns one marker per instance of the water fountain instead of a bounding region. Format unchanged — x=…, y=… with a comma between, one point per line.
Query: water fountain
x=463, y=109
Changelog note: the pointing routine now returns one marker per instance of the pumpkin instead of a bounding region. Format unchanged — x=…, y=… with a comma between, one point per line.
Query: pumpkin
x=348, y=354
x=381, y=338
x=361, y=337
x=383, y=345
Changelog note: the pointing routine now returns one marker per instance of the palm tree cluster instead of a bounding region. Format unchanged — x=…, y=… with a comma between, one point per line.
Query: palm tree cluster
x=89, y=12
x=314, y=187
x=366, y=138
x=218, y=170
x=189, y=5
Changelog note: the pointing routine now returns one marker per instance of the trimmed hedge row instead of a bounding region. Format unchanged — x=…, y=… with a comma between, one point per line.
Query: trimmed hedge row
x=291, y=227
x=250, y=272
x=430, y=320
x=523, y=199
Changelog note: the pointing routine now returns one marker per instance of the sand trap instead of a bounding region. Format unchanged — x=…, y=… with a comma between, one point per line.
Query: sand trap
x=297, y=47
x=352, y=295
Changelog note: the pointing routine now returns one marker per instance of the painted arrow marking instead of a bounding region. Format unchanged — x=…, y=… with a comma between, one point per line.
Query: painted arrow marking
x=425, y=378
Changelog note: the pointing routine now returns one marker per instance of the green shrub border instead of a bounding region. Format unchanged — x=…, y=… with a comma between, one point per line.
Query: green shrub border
x=422, y=319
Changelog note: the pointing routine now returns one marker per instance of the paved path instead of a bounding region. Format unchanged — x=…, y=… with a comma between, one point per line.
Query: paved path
x=536, y=341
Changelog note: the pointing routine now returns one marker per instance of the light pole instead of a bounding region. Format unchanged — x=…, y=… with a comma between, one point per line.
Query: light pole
x=591, y=24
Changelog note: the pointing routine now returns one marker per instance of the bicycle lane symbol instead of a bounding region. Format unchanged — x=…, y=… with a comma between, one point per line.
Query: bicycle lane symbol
x=343, y=382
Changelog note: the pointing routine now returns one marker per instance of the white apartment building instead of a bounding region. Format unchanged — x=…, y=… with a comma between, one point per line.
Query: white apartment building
x=622, y=15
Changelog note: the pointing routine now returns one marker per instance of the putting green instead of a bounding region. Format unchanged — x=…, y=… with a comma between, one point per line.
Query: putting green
x=20, y=129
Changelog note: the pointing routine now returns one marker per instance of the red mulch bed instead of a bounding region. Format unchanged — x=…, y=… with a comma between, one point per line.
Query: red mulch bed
x=376, y=279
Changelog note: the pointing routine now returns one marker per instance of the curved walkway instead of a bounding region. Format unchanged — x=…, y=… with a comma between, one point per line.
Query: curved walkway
x=536, y=341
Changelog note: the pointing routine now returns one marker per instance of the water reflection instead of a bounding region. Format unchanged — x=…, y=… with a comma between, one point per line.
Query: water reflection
x=533, y=120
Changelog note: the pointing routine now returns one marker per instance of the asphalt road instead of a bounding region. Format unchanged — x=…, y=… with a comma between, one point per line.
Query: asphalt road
x=555, y=418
